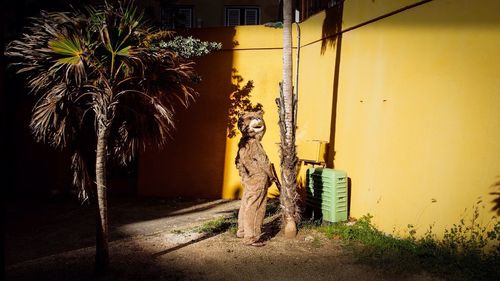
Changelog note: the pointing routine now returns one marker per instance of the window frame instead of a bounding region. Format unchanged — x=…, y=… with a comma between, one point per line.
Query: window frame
x=172, y=11
x=242, y=13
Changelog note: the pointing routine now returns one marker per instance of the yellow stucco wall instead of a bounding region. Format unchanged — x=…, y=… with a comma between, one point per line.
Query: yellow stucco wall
x=414, y=119
x=418, y=113
x=199, y=161
x=256, y=57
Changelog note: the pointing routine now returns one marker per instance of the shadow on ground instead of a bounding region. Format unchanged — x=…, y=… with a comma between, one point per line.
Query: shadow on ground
x=270, y=228
x=54, y=240
x=154, y=239
x=38, y=228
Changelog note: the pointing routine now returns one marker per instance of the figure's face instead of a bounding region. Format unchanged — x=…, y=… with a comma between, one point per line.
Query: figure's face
x=252, y=124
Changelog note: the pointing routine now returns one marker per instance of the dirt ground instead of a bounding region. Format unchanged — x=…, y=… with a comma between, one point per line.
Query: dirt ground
x=159, y=240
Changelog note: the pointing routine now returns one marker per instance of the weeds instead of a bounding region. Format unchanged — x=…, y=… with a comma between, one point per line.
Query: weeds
x=471, y=238
x=468, y=251
x=316, y=243
x=218, y=226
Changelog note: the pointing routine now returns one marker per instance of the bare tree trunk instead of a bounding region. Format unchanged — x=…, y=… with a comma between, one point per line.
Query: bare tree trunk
x=102, y=252
x=287, y=108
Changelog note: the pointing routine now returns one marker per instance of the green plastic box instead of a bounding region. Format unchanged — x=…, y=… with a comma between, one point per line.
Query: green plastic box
x=327, y=195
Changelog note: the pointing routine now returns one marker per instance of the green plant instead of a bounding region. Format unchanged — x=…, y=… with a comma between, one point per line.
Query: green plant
x=217, y=226
x=316, y=242
x=467, y=250
x=189, y=47
x=469, y=238
x=105, y=87
x=310, y=224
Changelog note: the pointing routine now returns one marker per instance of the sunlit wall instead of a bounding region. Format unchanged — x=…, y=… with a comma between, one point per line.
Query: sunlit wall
x=418, y=112
x=409, y=104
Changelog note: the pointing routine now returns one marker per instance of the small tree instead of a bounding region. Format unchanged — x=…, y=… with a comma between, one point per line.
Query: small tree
x=287, y=106
x=106, y=73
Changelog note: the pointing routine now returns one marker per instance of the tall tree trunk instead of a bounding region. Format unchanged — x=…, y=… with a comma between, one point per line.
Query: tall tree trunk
x=287, y=108
x=102, y=252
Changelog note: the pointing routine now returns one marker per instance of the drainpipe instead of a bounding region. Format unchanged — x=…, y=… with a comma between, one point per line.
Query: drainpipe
x=296, y=99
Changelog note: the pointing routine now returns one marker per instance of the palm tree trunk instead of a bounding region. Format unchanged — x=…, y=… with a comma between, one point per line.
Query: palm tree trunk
x=287, y=108
x=102, y=252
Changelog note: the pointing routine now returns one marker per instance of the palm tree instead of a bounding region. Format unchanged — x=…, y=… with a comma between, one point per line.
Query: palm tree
x=101, y=72
x=287, y=108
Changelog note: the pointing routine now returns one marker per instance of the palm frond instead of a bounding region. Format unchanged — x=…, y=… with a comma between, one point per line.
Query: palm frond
x=81, y=177
x=57, y=116
x=100, y=65
x=52, y=41
x=146, y=122
x=70, y=53
x=70, y=48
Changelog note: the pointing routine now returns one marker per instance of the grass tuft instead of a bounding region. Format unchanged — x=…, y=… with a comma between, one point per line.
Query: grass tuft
x=218, y=226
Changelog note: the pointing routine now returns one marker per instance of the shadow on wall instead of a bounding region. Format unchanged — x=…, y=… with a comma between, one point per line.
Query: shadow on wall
x=192, y=164
x=239, y=102
x=332, y=27
x=496, y=196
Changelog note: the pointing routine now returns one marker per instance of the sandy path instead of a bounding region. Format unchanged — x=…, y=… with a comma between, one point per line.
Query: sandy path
x=157, y=240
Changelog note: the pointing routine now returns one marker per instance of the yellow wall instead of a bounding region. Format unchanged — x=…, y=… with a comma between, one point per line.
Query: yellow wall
x=199, y=161
x=253, y=60
x=418, y=113
x=414, y=118
x=192, y=165
x=263, y=66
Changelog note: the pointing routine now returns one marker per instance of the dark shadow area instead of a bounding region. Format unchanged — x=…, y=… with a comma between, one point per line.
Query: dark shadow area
x=30, y=169
x=37, y=228
x=349, y=196
x=327, y=195
x=332, y=25
x=180, y=246
x=192, y=163
x=239, y=102
x=271, y=229
x=35, y=169
x=136, y=259
x=238, y=192
x=272, y=222
x=43, y=217
x=314, y=197
x=302, y=188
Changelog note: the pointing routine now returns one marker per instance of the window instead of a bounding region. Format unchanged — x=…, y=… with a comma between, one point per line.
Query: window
x=311, y=7
x=177, y=17
x=241, y=16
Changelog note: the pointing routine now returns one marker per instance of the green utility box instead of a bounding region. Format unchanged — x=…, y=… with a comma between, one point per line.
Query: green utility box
x=327, y=195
